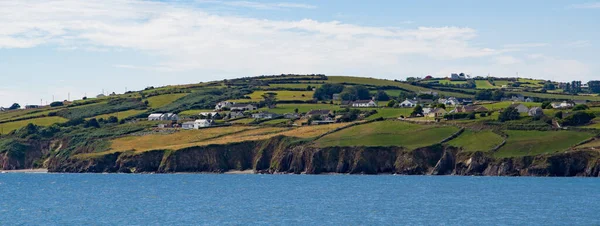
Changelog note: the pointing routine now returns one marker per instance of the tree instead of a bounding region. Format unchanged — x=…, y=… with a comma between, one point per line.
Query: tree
x=497, y=95
x=270, y=99
x=392, y=103
x=326, y=91
x=580, y=107
x=471, y=115
x=357, y=92
x=594, y=86
x=296, y=110
x=483, y=95
x=92, y=123
x=440, y=105
x=549, y=86
x=113, y=119
x=578, y=118
x=558, y=115
x=382, y=96
x=14, y=106
x=510, y=113
x=418, y=110
x=546, y=105
x=56, y=104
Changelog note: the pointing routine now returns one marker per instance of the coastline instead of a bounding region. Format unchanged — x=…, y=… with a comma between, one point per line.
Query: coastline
x=41, y=170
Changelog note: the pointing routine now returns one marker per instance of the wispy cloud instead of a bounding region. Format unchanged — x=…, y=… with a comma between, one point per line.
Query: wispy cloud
x=525, y=45
x=263, y=5
x=591, y=5
x=579, y=44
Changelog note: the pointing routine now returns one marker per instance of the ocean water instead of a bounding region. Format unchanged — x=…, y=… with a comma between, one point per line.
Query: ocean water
x=206, y=199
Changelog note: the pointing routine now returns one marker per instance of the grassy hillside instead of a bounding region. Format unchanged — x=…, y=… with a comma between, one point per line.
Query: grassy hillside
x=162, y=100
x=281, y=95
x=46, y=121
x=483, y=84
x=382, y=82
x=471, y=140
x=388, y=133
x=121, y=114
x=523, y=143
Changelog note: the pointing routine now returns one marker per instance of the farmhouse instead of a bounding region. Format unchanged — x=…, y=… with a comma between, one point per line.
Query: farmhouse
x=211, y=114
x=264, y=115
x=408, y=103
x=202, y=123
x=163, y=117
x=520, y=108
x=364, y=103
x=243, y=107
x=563, y=104
x=449, y=101
x=437, y=113
x=235, y=114
x=223, y=104
x=535, y=112
x=320, y=113
x=187, y=125
x=291, y=115
x=470, y=108
x=336, y=96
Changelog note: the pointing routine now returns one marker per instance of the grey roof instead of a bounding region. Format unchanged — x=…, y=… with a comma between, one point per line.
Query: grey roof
x=319, y=112
x=362, y=101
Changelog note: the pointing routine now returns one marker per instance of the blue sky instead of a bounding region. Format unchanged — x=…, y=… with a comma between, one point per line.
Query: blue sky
x=56, y=48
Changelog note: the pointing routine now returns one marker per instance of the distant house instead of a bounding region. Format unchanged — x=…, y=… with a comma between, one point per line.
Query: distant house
x=424, y=101
x=163, y=117
x=364, y=103
x=243, y=107
x=336, y=96
x=426, y=111
x=236, y=114
x=563, y=104
x=518, y=98
x=528, y=99
x=535, y=112
x=470, y=108
x=322, y=122
x=408, y=103
x=520, y=108
x=450, y=101
x=437, y=113
x=3, y=109
x=100, y=96
x=188, y=125
x=212, y=114
x=429, y=93
x=455, y=76
x=578, y=102
x=202, y=123
x=223, y=104
x=31, y=106
x=291, y=115
x=264, y=115
x=321, y=113
x=464, y=101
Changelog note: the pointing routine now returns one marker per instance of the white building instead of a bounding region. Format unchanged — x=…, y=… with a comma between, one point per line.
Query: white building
x=212, y=114
x=450, y=101
x=163, y=117
x=202, y=123
x=364, y=103
x=243, y=107
x=563, y=104
x=408, y=103
x=264, y=115
x=223, y=104
x=188, y=125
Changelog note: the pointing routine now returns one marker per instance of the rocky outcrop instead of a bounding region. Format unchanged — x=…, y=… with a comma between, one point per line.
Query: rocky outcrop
x=23, y=155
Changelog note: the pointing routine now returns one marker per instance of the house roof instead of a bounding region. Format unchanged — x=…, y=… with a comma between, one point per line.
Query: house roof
x=439, y=110
x=241, y=105
x=319, y=112
x=203, y=121
x=362, y=101
x=155, y=115
x=188, y=123
x=410, y=101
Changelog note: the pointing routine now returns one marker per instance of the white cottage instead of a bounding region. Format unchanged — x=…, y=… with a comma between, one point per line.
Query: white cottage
x=202, y=123
x=364, y=103
x=408, y=103
x=163, y=117
x=223, y=104
x=188, y=125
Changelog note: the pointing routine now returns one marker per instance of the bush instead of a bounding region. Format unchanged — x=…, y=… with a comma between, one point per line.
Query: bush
x=558, y=115
x=471, y=115
x=578, y=118
x=483, y=114
x=456, y=116
x=56, y=104
x=510, y=113
x=581, y=107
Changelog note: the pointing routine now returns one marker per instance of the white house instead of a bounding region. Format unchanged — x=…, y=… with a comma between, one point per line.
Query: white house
x=243, y=107
x=408, y=103
x=223, y=104
x=2, y=109
x=163, y=117
x=188, y=125
x=536, y=112
x=449, y=101
x=364, y=103
x=212, y=114
x=202, y=123
x=563, y=104
x=236, y=114
x=264, y=115
x=520, y=108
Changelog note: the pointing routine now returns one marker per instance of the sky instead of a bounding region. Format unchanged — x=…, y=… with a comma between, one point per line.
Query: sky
x=53, y=50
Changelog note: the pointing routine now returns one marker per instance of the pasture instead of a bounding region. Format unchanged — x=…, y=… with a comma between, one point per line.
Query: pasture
x=531, y=142
x=162, y=100
x=45, y=121
x=471, y=141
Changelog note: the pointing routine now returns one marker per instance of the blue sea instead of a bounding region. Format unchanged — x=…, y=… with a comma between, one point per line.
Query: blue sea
x=207, y=199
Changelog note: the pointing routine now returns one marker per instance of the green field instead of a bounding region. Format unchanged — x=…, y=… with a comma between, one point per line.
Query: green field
x=383, y=82
x=302, y=108
x=292, y=85
x=281, y=95
x=195, y=112
x=162, y=100
x=505, y=104
x=388, y=112
x=388, y=133
x=528, y=143
x=447, y=82
x=560, y=96
x=483, y=84
x=534, y=82
x=46, y=121
x=500, y=83
x=121, y=114
x=472, y=141
x=276, y=121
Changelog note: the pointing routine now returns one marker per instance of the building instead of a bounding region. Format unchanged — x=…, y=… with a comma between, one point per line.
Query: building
x=426, y=111
x=437, y=113
x=408, y=103
x=211, y=114
x=520, y=108
x=3, y=109
x=223, y=104
x=578, y=102
x=188, y=125
x=291, y=115
x=429, y=93
x=321, y=113
x=243, y=107
x=203, y=123
x=163, y=117
x=460, y=76
x=464, y=101
x=235, y=114
x=470, y=108
x=100, y=96
x=535, y=112
x=450, y=101
x=364, y=103
x=264, y=115
x=563, y=104
x=336, y=96
x=528, y=99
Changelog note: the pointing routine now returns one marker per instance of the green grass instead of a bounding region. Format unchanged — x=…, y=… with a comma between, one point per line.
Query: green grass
x=472, y=141
x=560, y=96
x=500, y=83
x=46, y=121
x=281, y=95
x=534, y=82
x=383, y=82
x=276, y=121
x=195, y=112
x=292, y=85
x=529, y=143
x=388, y=133
x=121, y=114
x=162, y=100
x=388, y=112
x=448, y=82
x=302, y=108
x=505, y=104
x=483, y=84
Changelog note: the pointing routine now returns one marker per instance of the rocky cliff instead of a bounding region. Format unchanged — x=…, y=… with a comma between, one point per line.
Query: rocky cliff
x=283, y=155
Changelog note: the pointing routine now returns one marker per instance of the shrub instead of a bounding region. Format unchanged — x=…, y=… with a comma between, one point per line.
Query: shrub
x=510, y=113
x=578, y=118
x=56, y=104
x=581, y=107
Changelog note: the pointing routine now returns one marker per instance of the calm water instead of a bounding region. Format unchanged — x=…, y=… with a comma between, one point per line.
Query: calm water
x=189, y=199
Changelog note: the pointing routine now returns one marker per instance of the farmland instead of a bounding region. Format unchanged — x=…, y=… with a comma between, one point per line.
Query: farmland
x=471, y=140
x=484, y=84
x=121, y=114
x=46, y=121
x=527, y=143
x=281, y=95
x=388, y=133
x=162, y=100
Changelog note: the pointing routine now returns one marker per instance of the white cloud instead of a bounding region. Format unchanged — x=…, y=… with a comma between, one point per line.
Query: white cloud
x=525, y=45
x=262, y=5
x=579, y=44
x=591, y=5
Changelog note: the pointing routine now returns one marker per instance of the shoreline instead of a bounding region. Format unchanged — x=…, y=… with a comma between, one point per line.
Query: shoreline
x=25, y=171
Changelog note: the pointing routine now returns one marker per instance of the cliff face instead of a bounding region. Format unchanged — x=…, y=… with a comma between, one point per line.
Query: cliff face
x=21, y=155
x=278, y=155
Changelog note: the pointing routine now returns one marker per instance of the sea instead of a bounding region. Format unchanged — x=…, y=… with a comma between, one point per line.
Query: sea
x=221, y=199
